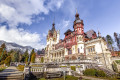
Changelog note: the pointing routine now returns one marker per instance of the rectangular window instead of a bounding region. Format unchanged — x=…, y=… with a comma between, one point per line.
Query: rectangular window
x=78, y=50
x=91, y=49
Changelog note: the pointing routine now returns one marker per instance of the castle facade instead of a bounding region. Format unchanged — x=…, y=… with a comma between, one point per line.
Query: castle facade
x=76, y=45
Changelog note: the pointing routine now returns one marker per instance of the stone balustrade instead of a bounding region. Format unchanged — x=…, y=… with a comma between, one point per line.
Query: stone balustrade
x=37, y=69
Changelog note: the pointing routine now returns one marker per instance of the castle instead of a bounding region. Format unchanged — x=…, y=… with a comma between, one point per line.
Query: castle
x=77, y=45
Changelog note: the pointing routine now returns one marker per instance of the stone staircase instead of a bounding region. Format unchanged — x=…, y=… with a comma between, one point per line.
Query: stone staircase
x=106, y=70
x=12, y=77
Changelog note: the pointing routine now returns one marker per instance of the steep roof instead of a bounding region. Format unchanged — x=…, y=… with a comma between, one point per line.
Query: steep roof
x=90, y=33
x=68, y=31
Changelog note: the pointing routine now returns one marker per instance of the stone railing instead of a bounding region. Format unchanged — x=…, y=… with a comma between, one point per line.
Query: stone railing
x=37, y=69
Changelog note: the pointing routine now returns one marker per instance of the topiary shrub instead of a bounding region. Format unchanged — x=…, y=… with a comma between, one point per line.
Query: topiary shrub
x=42, y=59
x=73, y=68
x=100, y=73
x=8, y=60
x=94, y=72
x=20, y=67
x=90, y=72
x=117, y=61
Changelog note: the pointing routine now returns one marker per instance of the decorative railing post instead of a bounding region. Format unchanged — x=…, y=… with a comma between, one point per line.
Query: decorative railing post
x=27, y=72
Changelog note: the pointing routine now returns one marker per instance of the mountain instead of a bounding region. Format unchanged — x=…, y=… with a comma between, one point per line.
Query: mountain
x=15, y=46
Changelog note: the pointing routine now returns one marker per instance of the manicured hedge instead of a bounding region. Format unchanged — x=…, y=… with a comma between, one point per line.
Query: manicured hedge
x=89, y=72
x=73, y=68
x=62, y=78
x=94, y=72
x=117, y=61
x=63, y=66
x=20, y=67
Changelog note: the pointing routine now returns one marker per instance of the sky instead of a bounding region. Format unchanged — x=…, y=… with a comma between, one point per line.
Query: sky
x=26, y=22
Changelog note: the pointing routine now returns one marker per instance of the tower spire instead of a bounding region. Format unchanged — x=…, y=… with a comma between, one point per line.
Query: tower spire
x=54, y=20
x=53, y=25
x=99, y=34
x=76, y=11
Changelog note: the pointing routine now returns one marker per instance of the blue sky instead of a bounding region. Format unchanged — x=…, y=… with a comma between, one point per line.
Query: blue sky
x=27, y=22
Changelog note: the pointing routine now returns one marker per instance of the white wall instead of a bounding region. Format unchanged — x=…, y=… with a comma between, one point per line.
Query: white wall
x=81, y=47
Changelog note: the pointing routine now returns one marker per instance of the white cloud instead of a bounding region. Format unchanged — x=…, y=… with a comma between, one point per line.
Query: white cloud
x=21, y=37
x=66, y=23
x=21, y=11
x=55, y=4
x=15, y=12
x=63, y=26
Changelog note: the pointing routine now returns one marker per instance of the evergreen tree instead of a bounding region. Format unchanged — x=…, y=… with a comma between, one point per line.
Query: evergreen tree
x=109, y=41
x=3, y=52
x=25, y=56
x=31, y=54
x=8, y=60
x=22, y=58
x=16, y=56
x=33, y=57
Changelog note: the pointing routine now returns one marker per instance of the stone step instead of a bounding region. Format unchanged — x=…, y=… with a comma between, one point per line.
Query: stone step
x=12, y=77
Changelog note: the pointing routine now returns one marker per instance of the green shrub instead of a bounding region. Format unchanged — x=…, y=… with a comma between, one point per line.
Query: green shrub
x=114, y=66
x=63, y=66
x=100, y=73
x=8, y=60
x=68, y=77
x=94, y=72
x=42, y=79
x=42, y=59
x=2, y=62
x=62, y=78
x=89, y=72
x=20, y=67
x=73, y=68
x=117, y=61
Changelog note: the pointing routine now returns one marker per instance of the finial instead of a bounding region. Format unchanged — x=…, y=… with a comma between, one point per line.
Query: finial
x=54, y=19
x=76, y=10
x=99, y=34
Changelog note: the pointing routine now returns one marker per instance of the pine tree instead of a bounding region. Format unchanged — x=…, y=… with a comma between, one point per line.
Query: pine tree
x=16, y=56
x=32, y=52
x=33, y=57
x=3, y=52
x=26, y=56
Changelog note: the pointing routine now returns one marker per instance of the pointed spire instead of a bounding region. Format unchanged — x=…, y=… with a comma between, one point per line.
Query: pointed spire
x=77, y=15
x=99, y=34
x=76, y=11
x=53, y=25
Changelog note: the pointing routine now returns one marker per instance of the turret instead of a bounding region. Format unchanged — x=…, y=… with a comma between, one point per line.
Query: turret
x=78, y=24
x=99, y=34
